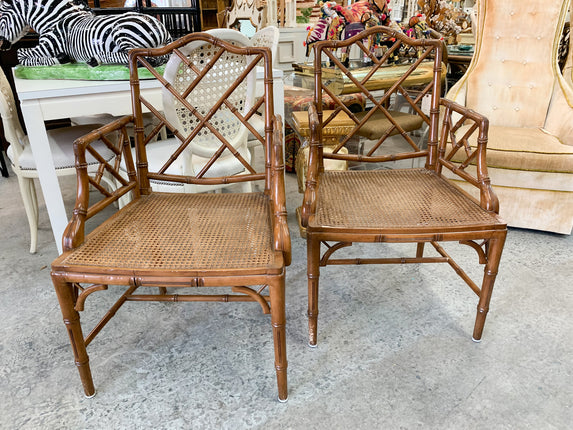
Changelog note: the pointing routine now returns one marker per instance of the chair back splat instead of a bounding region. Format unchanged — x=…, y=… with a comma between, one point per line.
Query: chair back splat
x=179, y=230
x=393, y=189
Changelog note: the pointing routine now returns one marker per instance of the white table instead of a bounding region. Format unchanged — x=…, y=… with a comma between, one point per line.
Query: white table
x=42, y=100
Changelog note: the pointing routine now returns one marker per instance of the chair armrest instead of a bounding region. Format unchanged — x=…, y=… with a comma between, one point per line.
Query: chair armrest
x=454, y=117
x=115, y=140
x=280, y=226
x=315, y=165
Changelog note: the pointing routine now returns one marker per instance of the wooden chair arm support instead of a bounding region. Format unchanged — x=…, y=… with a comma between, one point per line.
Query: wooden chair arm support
x=115, y=138
x=315, y=165
x=454, y=117
x=280, y=227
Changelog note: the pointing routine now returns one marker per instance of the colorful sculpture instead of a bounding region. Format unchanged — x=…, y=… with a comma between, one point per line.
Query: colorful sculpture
x=417, y=29
x=338, y=22
x=328, y=26
x=70, y=32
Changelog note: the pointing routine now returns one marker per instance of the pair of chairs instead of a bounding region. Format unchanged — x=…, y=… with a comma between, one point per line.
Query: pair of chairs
x=161, y=243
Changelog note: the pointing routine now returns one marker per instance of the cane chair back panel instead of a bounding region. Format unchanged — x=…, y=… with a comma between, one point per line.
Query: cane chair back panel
x=13, y=131
x=269, y=37
x=235, y=240
x=209, y=81
x=208, y=99
x=384, y=197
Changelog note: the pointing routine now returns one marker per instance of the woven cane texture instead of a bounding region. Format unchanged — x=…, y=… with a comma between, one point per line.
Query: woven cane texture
x=183, y=231
x=394, y=199
x=211, y=88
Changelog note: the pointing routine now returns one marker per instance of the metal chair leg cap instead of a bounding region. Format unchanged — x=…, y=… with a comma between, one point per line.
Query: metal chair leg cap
x=90, y=397
x=283, y=401
x=476, y=340
x=311, y=345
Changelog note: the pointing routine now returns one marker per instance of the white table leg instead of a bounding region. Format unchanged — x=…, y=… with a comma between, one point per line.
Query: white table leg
x=38, y=137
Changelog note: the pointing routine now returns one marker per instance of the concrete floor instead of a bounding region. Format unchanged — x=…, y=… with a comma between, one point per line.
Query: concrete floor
x=395, y=348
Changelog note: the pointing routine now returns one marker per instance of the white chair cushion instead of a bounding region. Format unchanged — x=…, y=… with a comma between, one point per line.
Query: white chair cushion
x=61, y=146
x=158, y=153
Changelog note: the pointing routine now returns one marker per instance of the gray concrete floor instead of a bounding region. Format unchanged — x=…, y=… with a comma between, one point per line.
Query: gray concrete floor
x=395, y=348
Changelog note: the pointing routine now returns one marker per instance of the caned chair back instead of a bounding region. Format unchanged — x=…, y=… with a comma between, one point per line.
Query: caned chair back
x=269, y=37
x=208, y=92
x=210, y=81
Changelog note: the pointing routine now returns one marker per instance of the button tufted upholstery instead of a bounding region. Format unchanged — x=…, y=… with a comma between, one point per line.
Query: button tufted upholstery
x=514, y=80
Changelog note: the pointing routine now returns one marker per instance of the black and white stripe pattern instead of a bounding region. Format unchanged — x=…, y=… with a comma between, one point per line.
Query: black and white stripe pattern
x=72, y=32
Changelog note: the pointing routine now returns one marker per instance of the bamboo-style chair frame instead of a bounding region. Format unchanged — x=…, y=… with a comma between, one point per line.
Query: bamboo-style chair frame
x=179, y=240
x=412, y=205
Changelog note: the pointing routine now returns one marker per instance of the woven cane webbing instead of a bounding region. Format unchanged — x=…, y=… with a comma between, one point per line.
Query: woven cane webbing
x=394, y=199
x=183, y=231
x=212, y=87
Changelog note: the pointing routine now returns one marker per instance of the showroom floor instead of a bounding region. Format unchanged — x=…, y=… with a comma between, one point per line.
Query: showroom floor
x=394, y=352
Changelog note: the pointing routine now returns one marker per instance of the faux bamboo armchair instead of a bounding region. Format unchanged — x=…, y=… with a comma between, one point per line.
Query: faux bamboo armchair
x=173, y=241
x=514, y=79
x=384, y=197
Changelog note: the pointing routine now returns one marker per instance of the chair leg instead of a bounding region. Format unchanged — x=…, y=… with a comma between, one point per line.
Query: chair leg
x=313, y=272
x=247, y=187
x=278, y=321
x=252, y=152
x=66, y=297
x=28, y=193
x=3, y=166
x=34, y=196
x=490, y=271
x=420, y=250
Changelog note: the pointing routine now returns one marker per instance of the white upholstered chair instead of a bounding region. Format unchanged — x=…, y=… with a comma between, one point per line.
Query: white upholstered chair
x=268, y=37
x=23, y=163
x=515, y=81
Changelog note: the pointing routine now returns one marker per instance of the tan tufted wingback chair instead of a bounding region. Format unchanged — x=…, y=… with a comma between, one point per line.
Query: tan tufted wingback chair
x=514, y=80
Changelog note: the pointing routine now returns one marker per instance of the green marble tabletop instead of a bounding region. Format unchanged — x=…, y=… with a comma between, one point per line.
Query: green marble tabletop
x=81, y=71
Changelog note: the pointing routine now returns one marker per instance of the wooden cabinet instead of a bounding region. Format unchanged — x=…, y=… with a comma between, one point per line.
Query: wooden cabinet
x=209, y=10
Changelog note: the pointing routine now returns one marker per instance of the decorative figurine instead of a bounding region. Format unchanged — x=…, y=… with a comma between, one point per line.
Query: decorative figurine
x=70, y=32
x=338, y=22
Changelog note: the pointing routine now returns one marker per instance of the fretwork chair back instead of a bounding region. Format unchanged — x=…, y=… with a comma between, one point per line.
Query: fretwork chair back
x=379, y=200
x=269, y=37
x=61, y=146
x=205, y=143
x=179, y=240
